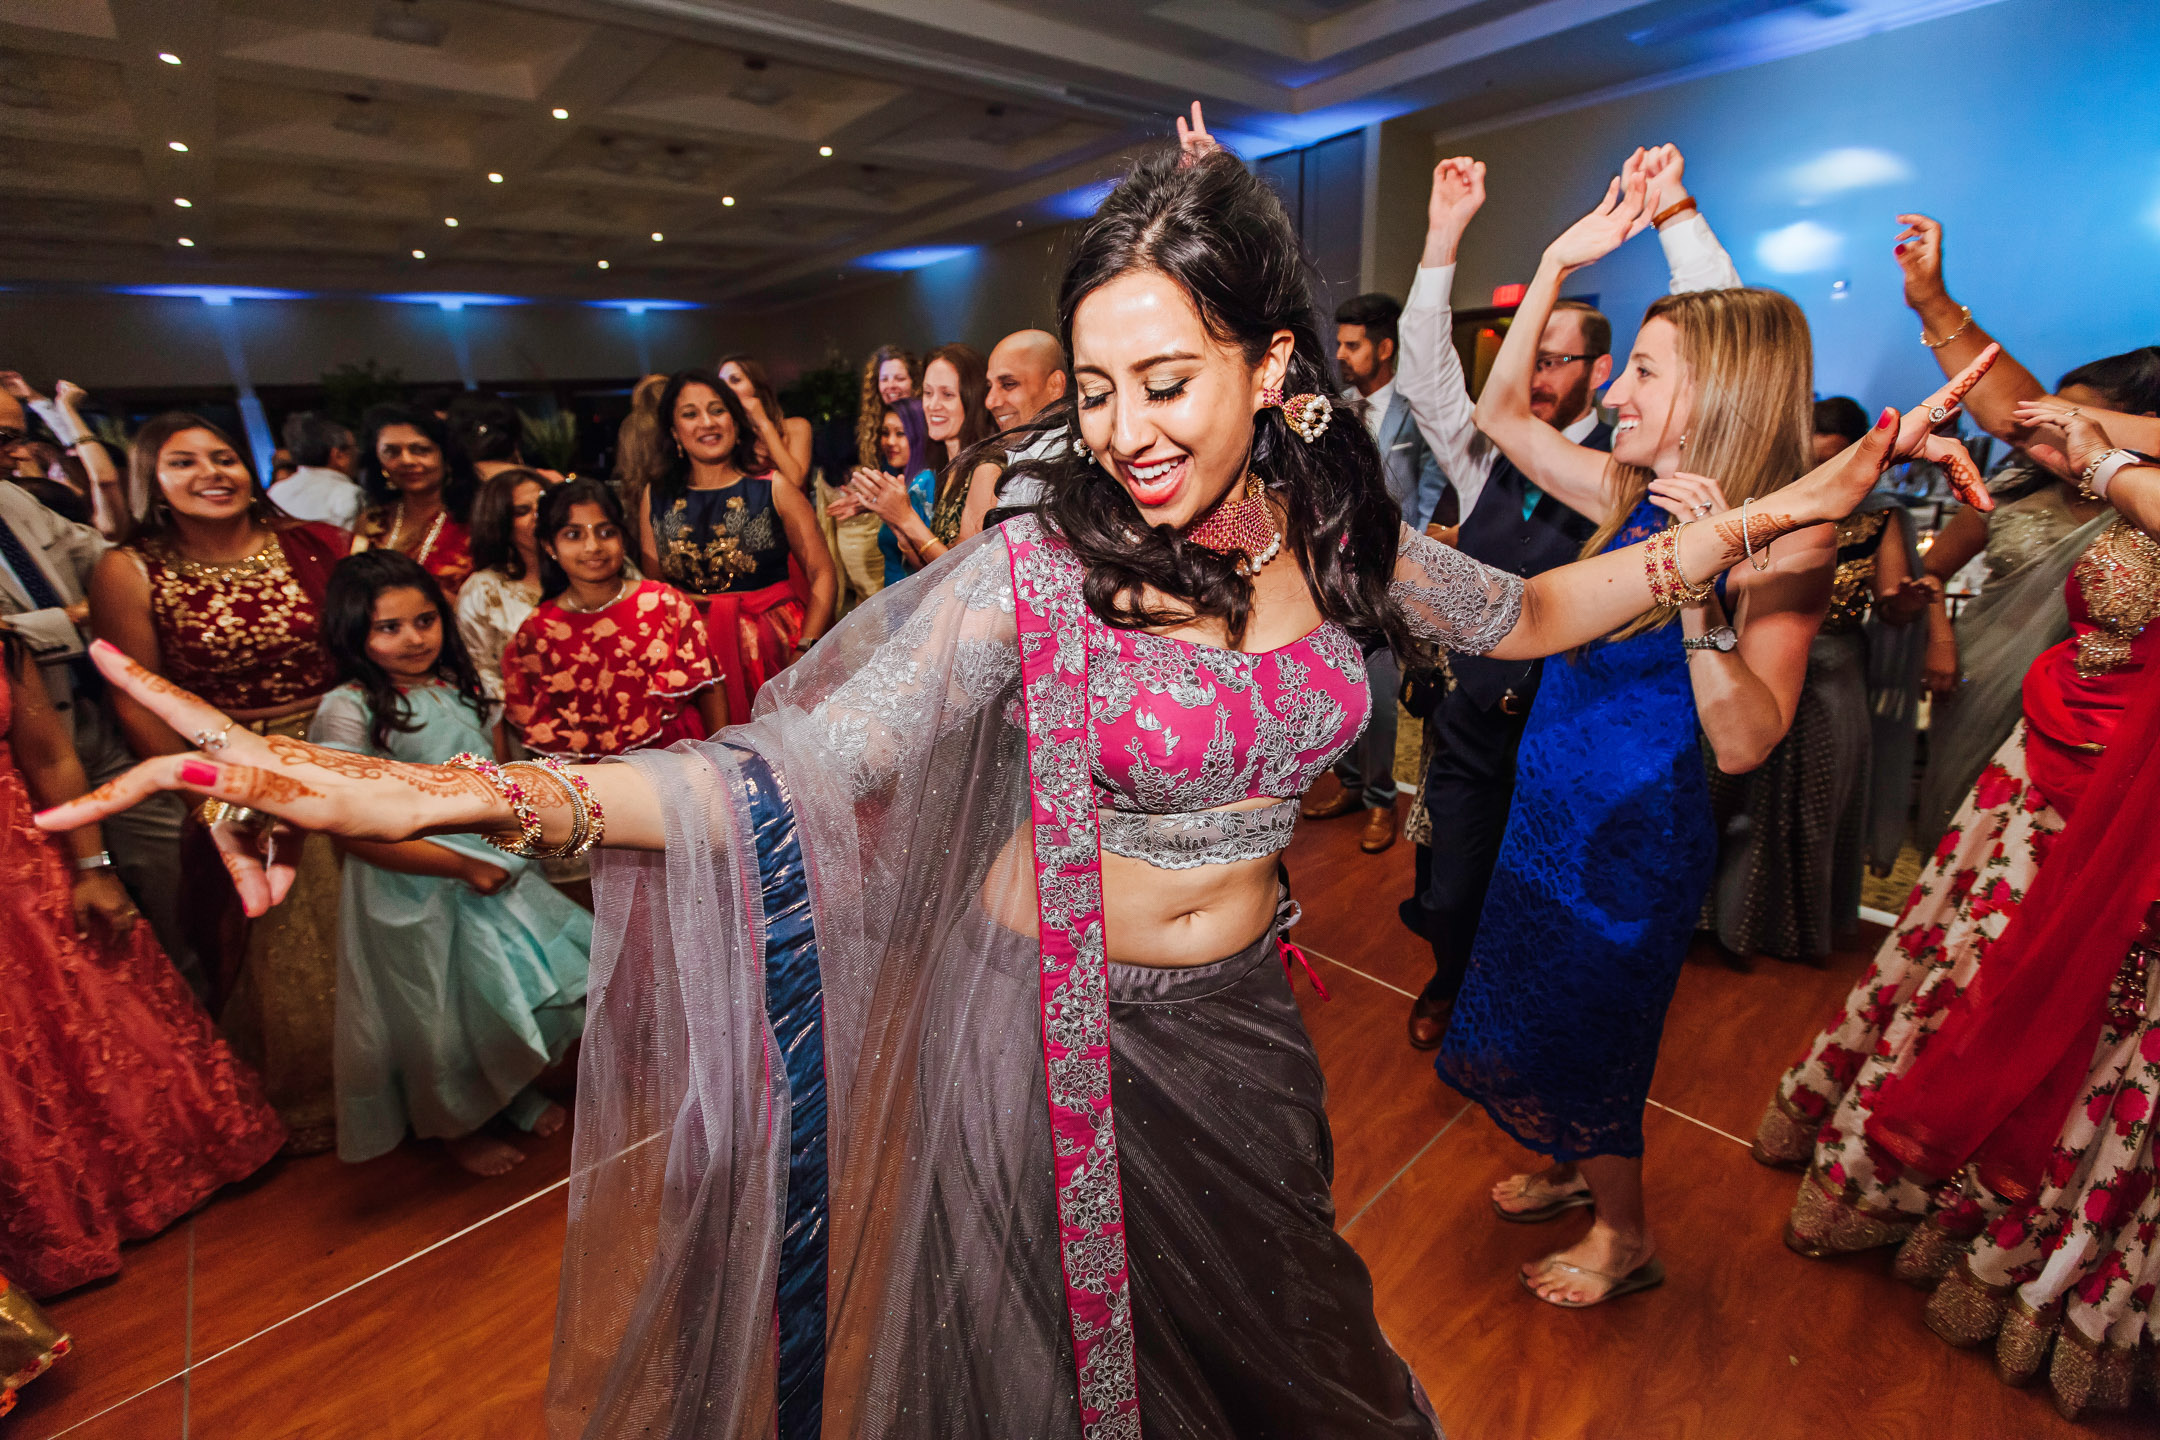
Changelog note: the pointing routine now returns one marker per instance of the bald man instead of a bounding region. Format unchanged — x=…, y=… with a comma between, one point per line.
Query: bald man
x=1027, y=373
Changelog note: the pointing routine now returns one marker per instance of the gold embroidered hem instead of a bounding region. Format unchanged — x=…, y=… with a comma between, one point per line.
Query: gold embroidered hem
x=2021, y=1346
x=29, y=1342
x=1964, y=1311
x=1928, y=1253
x=1783, y=1140
x=1824, y=1224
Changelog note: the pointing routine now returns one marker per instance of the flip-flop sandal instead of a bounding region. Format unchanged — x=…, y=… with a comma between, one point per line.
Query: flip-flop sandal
x=1646, y=1276
x=1563, y=1201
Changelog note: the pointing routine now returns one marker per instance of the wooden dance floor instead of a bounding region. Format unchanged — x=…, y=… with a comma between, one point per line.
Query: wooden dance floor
x=402, y=1298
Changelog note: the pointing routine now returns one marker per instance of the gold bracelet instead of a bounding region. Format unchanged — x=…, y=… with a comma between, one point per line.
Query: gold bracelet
x=1963, y=326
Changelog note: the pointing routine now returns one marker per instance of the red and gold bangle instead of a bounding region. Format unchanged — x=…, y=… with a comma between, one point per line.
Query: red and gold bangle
x=528, y=816
x=1688, y=591
x=588, y=825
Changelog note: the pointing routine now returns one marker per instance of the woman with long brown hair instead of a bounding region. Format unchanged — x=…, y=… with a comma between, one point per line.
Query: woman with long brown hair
x=1609, y=845
x=221, y=593
x=890, y=379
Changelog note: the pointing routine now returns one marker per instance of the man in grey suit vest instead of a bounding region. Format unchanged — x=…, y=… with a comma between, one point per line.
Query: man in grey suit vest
x=1365, y=353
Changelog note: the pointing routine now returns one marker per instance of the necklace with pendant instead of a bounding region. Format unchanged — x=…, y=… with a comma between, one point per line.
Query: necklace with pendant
x=1241, y=525
x=575, y=608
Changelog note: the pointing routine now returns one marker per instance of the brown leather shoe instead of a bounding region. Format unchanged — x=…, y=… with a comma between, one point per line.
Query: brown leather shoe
x=1428, y=1022
x=1342, y=802
x=1379, y=830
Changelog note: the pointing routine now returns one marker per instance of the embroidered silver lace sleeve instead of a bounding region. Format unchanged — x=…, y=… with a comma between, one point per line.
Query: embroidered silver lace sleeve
x=1451, y=599
x=953, y=656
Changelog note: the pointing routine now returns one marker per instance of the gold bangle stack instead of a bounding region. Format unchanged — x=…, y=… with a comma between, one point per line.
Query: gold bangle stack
x=588, y=824
x=1669, y=586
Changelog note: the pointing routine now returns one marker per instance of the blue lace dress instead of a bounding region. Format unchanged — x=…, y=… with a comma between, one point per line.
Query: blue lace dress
x=1601, y=875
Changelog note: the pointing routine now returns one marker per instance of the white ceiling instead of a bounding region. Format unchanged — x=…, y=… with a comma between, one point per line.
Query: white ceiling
x=329, y=139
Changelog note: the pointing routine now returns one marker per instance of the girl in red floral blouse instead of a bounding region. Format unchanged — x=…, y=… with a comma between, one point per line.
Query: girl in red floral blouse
x=605, y=664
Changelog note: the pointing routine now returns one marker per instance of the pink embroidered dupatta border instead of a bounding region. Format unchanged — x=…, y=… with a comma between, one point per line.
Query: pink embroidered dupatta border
x=1050, y=612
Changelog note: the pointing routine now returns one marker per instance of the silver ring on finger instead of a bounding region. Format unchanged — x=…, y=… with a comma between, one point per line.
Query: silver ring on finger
x=1939, y=414
x=212, y=741
x=1702, y=507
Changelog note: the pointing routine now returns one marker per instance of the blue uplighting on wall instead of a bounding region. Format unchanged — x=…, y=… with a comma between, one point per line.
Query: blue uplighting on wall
x=452, y=300
x=915, y=257
x=212, y=294
x=639, y=307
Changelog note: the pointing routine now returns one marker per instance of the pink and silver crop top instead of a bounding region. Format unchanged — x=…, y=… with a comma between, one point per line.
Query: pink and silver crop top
x=1180, y=729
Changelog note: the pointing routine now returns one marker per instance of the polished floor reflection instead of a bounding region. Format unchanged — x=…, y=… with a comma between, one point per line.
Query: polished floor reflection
x=405, y=1298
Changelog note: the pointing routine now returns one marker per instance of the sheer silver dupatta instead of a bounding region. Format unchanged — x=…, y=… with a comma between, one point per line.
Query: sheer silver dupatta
x=900, y=745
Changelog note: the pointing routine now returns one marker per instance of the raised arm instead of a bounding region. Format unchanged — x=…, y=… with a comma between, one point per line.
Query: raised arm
x=1577, y=603
x=1692, y=252
x=1951, y=333
x=1571, y=473
x=1428, y=372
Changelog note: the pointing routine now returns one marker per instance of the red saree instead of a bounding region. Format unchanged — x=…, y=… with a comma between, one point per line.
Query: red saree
x=2003, y=1072
x=583, y=686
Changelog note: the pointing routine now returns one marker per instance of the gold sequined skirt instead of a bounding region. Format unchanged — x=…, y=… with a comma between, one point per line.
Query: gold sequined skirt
x=280, y=1009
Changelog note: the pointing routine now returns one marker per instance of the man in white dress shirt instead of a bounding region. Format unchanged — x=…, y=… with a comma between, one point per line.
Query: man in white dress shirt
x=322, y=488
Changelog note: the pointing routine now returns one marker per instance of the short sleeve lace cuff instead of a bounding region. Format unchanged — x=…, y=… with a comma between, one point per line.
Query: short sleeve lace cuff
x=1450, y=599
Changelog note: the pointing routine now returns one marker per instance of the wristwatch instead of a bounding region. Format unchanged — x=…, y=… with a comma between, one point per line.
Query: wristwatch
x=1723, y=638
x=101, y=861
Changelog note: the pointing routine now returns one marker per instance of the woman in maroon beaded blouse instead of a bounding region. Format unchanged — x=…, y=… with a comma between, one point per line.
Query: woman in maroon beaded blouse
x=221, y=593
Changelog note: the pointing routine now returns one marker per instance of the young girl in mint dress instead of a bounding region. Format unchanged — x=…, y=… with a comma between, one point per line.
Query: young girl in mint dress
x=461, y=971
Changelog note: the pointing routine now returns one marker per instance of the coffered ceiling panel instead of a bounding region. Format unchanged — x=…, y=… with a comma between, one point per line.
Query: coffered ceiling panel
x=538, y=147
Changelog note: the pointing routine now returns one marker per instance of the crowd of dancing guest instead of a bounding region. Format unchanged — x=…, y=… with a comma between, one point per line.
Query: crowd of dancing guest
x=1173, y=539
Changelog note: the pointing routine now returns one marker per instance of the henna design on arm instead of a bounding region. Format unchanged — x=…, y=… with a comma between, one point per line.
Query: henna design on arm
x=440, y=781
x=256, y=785
x=1741, y=532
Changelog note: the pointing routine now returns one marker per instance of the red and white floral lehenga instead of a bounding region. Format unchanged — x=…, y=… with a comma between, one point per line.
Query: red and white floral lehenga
x=873, y=1138
x=2052, y=1256
x=584, y=685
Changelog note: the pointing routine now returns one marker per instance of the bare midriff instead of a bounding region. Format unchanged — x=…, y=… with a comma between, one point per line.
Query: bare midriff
x=1170, y=919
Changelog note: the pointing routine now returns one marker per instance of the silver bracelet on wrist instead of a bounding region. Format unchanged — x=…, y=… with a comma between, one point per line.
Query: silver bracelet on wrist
x=101, y=861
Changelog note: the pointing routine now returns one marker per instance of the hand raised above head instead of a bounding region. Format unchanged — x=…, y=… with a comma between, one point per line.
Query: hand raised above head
x=1194, y=139
x=1919, y=254
x=1620, y=216
x=1664, y=171
x=1458, y=193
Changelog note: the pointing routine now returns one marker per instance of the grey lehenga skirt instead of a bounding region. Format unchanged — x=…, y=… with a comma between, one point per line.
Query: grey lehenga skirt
x=1252, y=1317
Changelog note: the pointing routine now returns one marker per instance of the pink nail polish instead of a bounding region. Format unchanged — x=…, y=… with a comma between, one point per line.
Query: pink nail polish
x=1884, y=422
x=198, y=772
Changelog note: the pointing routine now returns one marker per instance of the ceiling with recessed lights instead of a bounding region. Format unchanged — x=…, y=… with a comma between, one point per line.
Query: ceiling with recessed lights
x=723, y=150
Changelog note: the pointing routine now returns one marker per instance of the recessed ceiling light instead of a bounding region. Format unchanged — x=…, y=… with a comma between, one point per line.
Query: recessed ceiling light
x=176, y=145
x=183, y=202
x=168, y=57
x=603, y=264
x=560, y=113
x=494, y=177
x=825, y=150
x=450, y=220
x=727, y=200
x=186, y=244
x=657, y=237
x=419, y=254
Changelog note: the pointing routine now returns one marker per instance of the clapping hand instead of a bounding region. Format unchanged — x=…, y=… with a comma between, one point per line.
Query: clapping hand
x=1623, y=214
x=1663, y=168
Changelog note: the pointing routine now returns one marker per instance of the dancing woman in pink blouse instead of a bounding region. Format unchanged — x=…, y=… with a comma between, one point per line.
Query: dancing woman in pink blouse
x=941, y=1076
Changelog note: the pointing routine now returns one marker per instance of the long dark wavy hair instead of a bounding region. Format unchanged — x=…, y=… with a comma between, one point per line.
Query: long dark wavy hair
x=1216, y=230
x=149, y=443
x=460, y=481
x=494, y=546
x=348, y=611
x=555, y=509
x=670, y=485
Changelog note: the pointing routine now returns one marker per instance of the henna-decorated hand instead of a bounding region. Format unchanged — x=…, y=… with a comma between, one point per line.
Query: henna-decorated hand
x=1620, y=216
x=1834, y=489
x=361, y=797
